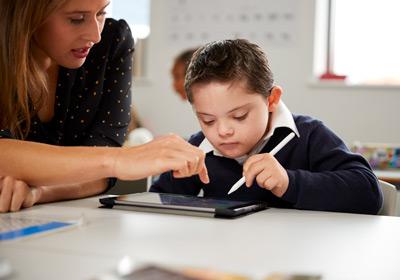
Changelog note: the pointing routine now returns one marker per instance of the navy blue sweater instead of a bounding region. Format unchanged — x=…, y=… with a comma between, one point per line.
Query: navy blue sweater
x=323, y=174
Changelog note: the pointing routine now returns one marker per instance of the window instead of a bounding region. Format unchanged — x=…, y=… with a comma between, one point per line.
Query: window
x=364, y=42
x=137, y=14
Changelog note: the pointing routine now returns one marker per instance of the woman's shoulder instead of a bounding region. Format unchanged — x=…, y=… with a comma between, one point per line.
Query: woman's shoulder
x=115, y=29
x=116, y=37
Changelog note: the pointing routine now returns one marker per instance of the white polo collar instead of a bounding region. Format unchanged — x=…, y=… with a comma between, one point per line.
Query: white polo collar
x=281, y=117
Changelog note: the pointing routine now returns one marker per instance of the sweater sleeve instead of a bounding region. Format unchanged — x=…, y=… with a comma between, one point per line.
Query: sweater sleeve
x=166, y=183
x=336, y=180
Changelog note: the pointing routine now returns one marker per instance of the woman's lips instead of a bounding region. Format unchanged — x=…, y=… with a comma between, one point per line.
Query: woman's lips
x=80, y=53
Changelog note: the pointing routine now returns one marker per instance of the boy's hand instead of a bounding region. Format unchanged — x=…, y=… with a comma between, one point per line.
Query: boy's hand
x=16, y=194
x=268, y=173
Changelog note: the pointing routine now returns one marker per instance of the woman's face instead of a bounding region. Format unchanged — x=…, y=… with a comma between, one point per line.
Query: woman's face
x=68, y=34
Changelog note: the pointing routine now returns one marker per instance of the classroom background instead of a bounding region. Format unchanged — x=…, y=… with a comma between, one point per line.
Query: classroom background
x=106, y=244
x=292, y=33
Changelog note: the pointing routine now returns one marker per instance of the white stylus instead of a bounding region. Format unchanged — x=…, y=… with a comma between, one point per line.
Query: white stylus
x=273, y=152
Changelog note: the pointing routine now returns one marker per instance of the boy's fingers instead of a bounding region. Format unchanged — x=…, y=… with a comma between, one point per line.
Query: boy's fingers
x=262, y=180
x=252, y=160
x=251, y=173
x=249, y=180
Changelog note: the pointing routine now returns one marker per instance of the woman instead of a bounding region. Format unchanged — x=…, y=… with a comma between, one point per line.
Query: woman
x=65, y=85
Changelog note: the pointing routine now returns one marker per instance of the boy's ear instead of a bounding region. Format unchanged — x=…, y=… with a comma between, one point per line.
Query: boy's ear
x=274, y=98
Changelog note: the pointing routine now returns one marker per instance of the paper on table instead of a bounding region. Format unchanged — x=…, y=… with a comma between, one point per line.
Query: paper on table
x=14, y=227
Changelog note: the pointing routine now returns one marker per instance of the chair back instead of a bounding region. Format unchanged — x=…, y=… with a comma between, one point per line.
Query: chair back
x=389, y=206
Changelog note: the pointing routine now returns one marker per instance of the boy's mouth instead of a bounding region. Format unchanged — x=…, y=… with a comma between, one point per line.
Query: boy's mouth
x=229, y=145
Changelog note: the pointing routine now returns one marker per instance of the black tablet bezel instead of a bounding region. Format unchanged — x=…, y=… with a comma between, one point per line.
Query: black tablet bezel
x=241, y=207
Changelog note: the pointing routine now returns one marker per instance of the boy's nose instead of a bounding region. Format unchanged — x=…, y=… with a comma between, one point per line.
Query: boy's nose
x=225, y=130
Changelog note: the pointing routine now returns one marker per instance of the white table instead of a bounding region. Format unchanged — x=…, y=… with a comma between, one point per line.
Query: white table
x=335, y=245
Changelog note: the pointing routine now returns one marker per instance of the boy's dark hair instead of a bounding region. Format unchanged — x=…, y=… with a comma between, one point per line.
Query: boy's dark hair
x=230, y=60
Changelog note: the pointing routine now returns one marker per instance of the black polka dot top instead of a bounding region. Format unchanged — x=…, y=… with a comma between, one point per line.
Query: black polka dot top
x=92, y=106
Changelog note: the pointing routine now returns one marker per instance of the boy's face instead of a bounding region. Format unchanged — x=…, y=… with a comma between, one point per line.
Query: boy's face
x=232, y=118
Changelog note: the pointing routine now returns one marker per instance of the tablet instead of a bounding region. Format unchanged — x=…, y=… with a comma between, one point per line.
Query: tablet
x=182, y=204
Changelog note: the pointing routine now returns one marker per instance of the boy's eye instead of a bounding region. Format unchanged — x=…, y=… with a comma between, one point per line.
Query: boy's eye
x=241, y=117
x=208, y=122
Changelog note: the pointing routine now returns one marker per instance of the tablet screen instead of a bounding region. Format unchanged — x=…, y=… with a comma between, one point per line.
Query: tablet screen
x=181, y=200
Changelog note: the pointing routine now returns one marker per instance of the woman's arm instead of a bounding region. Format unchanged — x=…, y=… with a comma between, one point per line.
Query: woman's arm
x=16, y=194
x=41, y=164
x=62, y=173
x=66, y=192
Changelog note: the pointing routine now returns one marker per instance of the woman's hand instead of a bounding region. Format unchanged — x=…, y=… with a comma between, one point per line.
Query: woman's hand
x=16, y=194
x=160, y=155
x=268, y=173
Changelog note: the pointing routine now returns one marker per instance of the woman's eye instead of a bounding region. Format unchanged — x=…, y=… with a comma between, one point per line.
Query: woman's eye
x=102, y=14
x=77, y=20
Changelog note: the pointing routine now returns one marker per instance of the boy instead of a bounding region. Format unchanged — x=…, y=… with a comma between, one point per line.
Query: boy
x=242, y=117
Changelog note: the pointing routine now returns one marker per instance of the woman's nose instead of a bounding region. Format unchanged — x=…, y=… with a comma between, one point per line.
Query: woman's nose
x=94, y=31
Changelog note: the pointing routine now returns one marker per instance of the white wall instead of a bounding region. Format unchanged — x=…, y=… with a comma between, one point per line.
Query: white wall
x=368, y=114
